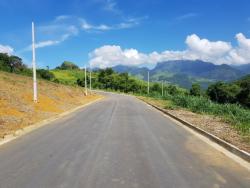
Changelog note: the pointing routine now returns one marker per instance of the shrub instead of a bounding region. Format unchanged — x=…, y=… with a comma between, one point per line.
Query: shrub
x=45, y=74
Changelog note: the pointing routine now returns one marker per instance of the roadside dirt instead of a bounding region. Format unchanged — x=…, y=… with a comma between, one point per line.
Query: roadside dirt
x=211, y=124
x=17, y=109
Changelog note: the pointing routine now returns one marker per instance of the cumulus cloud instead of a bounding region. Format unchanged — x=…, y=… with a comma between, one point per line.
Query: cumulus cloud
x=6, y=49
x=207, y=48
x=108, y=56
x=217, y=52
x=240, y=54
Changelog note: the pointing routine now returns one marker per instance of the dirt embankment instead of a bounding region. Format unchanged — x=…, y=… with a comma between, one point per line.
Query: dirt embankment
x=209, y=123
x=18, y=110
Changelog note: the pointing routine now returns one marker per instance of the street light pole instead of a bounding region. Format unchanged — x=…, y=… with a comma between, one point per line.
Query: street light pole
x=90, y=78
x=148, y=82
x=85, y=83
x=34, y=64
x=162, y=88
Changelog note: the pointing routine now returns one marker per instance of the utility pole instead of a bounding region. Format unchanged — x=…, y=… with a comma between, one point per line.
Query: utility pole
x=85, y=83
x=148, y=82
x=90, y=78
x=162, y=88
x=34, y=64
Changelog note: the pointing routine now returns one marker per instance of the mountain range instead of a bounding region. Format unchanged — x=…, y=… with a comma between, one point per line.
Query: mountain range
x=186, y=72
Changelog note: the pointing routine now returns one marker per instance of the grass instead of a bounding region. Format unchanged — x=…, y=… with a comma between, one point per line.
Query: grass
x=68, y=77
x=234, y=114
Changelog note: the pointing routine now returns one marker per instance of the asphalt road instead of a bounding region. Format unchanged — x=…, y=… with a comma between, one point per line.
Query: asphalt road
x=119, y=142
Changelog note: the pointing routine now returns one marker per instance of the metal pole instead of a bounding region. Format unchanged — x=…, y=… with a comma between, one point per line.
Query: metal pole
x=34, y=64
x=85, y=84
x=148, y=82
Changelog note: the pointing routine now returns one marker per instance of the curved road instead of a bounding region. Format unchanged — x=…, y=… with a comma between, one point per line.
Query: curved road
x=118, y=142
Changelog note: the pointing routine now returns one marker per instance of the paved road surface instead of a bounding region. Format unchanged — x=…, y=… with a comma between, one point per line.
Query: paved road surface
x=119, y=142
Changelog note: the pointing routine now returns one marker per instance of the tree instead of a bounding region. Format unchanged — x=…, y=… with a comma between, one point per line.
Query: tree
x=195, y=90
x=16, y=64
x=67, y=65
x=172, y=90
x=223, y=93
x=244, y=95
x=11, y=63
x=156, y=88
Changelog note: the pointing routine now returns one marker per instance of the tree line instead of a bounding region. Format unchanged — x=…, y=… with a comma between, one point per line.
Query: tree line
x=14, y=64
x=219, y=92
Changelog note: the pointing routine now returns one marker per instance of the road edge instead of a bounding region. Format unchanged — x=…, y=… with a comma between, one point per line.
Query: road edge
x=229, y=147
x=35, y=126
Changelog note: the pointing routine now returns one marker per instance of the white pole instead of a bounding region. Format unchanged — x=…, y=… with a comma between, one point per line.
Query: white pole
x=34, y=63
x=148, y=82
x=90, y=78
x=162, y=88
x=85, y=84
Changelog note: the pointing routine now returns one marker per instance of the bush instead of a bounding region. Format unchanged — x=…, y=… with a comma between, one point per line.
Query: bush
x=45, y=74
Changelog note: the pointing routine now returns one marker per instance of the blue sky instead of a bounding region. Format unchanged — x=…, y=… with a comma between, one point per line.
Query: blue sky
x=109, y=32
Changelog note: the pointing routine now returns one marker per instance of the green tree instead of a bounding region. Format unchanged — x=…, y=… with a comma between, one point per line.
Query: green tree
x=67, y=65
x=223, y=93
x=156, y=88
x=11, y=63
x=195, y=90
x=244, y=95
x=172, y=90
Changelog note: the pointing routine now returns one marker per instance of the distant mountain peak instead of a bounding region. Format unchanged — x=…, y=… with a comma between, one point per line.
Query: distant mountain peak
x=194, y=71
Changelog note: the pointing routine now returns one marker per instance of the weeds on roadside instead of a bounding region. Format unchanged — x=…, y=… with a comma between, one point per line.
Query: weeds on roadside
x=235, y=114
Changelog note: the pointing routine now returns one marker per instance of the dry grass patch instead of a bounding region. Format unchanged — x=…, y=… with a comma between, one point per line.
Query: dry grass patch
x=18, y=110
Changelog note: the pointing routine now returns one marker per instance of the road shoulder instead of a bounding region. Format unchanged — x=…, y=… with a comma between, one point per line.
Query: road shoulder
x=240, y=156
x=21, y=132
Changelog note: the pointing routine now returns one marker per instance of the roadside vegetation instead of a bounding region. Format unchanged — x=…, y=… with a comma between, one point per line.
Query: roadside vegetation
x=230, y=101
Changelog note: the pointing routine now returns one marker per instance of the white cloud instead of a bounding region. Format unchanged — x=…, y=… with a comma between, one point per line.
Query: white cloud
x=108, y=55
x=240, y=54
x=6, y=49
x=65, y=26
x=46, y=43
x=128, y=23
x=111, y=6
x=207, y=48
x=59, y=30
x=217, y=52
x=61, y=18
x=186, y=16
x=88, y=27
